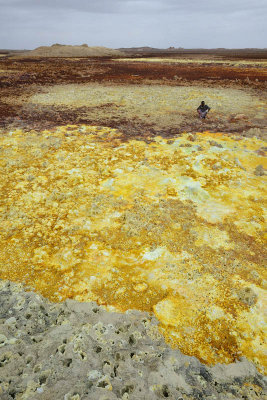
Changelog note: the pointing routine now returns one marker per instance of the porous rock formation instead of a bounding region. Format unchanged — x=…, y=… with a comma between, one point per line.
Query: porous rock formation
x=75, y=351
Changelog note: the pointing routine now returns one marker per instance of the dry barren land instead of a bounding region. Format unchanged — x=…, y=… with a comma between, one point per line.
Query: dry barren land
x=114, y=192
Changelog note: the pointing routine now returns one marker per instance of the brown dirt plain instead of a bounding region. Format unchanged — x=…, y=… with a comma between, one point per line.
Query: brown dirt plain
x=33, y=93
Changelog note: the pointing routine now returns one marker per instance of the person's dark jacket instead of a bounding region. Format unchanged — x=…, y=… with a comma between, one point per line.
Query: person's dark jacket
x=203, y=108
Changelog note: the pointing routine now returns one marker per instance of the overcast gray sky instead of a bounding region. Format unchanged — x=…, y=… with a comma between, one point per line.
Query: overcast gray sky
x=127, y=23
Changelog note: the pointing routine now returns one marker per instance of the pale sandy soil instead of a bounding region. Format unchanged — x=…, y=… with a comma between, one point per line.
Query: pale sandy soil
x=188, y=60
x=153, y=98
x=165, y=107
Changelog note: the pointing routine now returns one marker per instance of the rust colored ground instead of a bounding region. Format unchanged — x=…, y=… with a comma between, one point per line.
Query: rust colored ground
x=21, y=78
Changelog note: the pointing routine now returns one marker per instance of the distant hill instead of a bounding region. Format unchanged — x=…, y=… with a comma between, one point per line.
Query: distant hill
x=10, y=51
x=140, y=49
x=151, y=51
x=60, y=50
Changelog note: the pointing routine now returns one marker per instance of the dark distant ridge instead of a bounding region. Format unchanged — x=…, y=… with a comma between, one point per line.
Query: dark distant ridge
x=11, y=51
x=151, y=51
x=253, y=53
x=182, y=49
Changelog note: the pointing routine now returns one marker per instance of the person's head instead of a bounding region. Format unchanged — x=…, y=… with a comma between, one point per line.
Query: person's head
x=203, y=103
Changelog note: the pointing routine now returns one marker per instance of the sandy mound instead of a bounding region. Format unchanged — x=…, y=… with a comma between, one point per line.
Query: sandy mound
x=59, y=50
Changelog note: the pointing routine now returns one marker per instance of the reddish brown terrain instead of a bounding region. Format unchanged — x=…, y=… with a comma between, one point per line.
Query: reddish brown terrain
x=20, y=78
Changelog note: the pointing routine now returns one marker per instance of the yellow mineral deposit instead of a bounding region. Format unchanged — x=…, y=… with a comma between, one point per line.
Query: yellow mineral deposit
x=174, y=226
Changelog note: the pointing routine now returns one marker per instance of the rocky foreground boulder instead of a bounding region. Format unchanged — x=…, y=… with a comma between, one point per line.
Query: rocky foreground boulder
x=73, y=351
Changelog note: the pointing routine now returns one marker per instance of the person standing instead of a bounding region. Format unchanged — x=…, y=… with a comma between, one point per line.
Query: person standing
x=203, y=110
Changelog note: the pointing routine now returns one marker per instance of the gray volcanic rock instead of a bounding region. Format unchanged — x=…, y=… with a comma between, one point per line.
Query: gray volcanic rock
x=73, y=351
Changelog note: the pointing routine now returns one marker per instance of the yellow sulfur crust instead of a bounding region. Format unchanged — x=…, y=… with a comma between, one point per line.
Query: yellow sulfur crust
x=173, y=226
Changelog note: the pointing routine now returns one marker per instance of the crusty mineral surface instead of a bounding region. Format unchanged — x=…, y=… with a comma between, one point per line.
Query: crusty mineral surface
x=174, y=227
x=73, y=350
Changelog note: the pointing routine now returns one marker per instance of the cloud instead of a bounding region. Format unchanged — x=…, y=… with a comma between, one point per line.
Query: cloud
x=126, y=23
x=214, y=7
x=127, y=6
x=99, y=6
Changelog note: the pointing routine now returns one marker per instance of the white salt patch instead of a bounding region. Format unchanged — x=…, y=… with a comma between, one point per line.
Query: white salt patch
x=168, y=180
x=116, y=214
x=66, y=255
x=94, y=374
x=87, y=225
x=214, y=211
x=153, y=255
x=74, y=171
x=108, y=183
